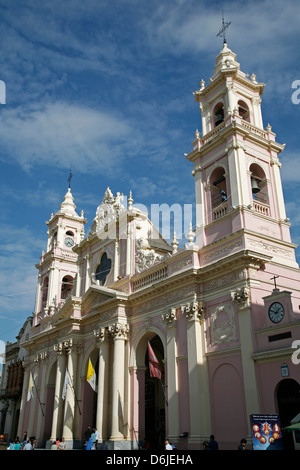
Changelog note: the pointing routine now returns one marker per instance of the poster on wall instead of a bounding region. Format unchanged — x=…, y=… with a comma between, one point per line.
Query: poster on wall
x=266, y=432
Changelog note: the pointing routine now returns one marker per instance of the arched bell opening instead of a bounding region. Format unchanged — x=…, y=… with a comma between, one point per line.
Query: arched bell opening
x=243, y=111
x=218, y=114
x=218, y=187
x=66, y=287
x=259, y=187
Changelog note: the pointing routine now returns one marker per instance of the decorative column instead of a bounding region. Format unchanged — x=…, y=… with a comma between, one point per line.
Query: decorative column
x=102, y=339
x=242, y=298
x=200, y=213
x=197, y=369
x=78, y=278
x=21, y=429
x=172, y=377
x=119, y=333
x=128, y=249
x=231, y=98
x=72, y=348
x=58, y=401
x=137, y=404
x=87, y=273
x=116, y=260
x=37, y=307
x=279, y=199
x=43, y=356
x=234, y=175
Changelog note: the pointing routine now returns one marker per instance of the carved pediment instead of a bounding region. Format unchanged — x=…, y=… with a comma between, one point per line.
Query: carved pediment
x=100, y=295
x=67, y=310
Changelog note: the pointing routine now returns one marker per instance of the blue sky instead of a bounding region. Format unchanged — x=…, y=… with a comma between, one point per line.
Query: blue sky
x=106, y=87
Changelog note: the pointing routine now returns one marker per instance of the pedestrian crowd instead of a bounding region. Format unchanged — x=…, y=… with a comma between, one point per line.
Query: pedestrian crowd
x=92, y=440
x=25, y=444
x=92, y=443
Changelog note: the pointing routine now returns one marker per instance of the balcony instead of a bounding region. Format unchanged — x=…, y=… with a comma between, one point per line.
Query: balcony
x=261, y=208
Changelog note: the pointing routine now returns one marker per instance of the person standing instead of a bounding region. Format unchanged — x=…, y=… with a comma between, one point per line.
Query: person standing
x=28, y=445
x=242, y=445
x=62, y=444
x=18, y=445
x=168, y=445
x=96, y=438
x=213, y=445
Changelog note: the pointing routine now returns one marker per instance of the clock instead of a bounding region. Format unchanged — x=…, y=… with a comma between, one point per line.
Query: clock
x=69, y=242
x=276, y=312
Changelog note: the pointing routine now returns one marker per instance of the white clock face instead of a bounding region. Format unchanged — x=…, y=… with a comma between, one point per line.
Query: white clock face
x=276, y=312
x=69, y=242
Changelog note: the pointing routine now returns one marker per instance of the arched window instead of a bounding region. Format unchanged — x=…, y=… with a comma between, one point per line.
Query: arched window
x=45, y=292
x=218, y=114
x=103, y=269
x=243, y=111
x=66, y=286
x=218, y=187
x=259, y=186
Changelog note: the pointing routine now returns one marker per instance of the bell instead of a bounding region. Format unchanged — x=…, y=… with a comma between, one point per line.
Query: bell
x=254, y=186
x=219, y=119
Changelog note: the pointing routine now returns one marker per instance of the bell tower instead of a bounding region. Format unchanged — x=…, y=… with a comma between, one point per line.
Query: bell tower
x=238, y=186
x=58, y=265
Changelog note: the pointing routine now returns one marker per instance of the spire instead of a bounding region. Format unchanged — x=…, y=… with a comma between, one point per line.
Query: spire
x=226, y=60
x=67, y=206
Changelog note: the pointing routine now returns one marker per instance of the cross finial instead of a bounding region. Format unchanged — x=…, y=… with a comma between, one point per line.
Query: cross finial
x=274, y=279
x=225, y=26
x=69, y=179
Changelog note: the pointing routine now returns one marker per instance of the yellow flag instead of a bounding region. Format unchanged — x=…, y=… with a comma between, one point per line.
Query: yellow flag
x=91, y=376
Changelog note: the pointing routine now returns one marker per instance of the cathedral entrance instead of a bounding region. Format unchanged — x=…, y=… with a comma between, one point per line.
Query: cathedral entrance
x=155, y=401
x=288, y=399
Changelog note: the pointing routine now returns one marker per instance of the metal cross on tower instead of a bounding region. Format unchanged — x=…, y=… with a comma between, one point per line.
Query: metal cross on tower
x=70, y=177
x=274, y=279
x=225, y=26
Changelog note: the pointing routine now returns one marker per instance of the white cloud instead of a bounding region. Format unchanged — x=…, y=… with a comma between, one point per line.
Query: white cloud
x=62, y=135
x=18, y=275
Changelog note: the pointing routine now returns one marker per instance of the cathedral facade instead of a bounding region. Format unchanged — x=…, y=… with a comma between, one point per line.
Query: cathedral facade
x=221, y=314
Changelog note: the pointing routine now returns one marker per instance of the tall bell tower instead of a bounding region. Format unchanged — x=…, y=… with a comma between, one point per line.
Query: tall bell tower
x=239, y=197
x=58, y=265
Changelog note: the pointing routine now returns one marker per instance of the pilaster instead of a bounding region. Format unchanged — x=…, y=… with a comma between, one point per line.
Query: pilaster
x=197, y=368
x=57, y=417
x=119, y=333
x=242, y=299
x=102, y=339
x=169, y=317
x=72, y=348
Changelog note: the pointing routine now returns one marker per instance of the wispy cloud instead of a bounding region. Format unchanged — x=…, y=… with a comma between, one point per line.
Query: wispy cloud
x=18, y=275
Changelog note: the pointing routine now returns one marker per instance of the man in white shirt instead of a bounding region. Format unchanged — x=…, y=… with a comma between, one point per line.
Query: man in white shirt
x=28, y=446
x=168, y=445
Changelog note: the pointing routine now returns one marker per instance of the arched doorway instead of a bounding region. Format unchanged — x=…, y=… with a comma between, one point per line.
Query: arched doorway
x=155, y=398
x=288, y=402
x=89, y=401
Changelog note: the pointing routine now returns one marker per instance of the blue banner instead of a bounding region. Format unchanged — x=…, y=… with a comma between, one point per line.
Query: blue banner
x=266, y=432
